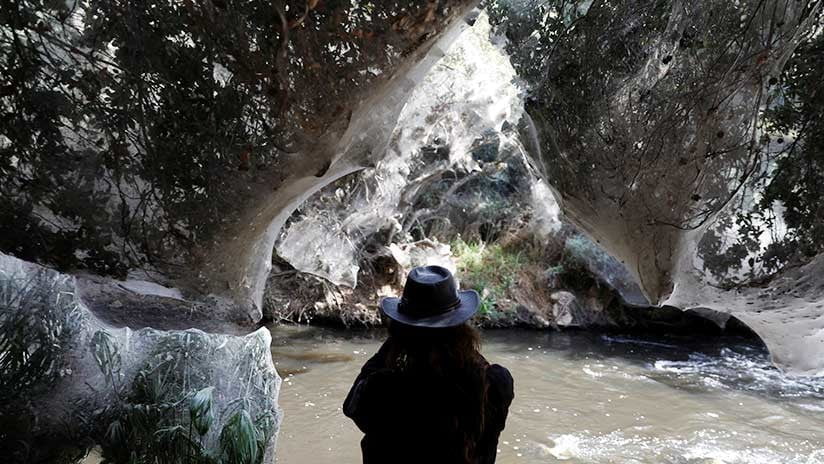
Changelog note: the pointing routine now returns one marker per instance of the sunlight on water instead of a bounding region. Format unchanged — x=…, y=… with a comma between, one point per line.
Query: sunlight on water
x=581, y=398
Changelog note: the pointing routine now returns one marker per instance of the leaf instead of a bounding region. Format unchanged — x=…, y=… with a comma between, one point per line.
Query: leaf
x=239, y=440
x=265, y=424
x=105, y=352
x=115, y=433
x=200, y=410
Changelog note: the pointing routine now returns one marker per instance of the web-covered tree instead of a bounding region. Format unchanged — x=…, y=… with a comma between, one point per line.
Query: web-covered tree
x=779, y=220
x=137, y=135
x=647, y=115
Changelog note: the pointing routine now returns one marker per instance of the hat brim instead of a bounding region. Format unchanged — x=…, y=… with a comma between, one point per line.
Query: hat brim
x=469, y=305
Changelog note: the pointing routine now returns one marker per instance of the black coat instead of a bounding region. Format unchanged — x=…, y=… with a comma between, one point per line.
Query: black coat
x=413, y=417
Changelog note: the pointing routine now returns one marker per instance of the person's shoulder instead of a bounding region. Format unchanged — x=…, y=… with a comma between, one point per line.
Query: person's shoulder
x=500, y=377
x=377, y=361
x=499, y=373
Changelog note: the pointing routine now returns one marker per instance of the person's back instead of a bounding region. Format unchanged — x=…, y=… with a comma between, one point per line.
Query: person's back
x=428, y=395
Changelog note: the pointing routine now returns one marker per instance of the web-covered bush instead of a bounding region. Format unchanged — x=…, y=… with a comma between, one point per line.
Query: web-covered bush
x=186, y=396
x=68, y=382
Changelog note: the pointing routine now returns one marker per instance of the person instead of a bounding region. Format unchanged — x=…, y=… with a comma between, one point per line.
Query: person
x=428, y=396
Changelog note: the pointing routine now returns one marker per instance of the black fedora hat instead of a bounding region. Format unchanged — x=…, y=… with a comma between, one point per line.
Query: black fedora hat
x=431, y=299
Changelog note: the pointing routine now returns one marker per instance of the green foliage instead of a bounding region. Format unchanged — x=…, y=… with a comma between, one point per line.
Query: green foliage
x=146, y=422
x=106, y=356
x=572, y=54
x=241, y=441
x=724, y=256
x=488, y=305
x=798, y=180
x=200, y=410
x=609, y=132
x=490, y=268
x=790, y=191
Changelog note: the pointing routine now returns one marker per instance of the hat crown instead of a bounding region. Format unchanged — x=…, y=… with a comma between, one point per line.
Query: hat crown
x=429, y=290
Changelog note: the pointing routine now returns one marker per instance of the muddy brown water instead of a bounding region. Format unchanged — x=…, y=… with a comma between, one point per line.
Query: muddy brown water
x=580, y=398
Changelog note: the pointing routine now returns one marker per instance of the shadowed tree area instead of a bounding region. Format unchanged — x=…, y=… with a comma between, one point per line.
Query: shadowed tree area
x=796, y=125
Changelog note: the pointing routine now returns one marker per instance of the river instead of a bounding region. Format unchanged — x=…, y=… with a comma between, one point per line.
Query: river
x=580, y=398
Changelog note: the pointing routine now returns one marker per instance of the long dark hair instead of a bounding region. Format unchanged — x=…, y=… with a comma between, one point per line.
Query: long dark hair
x=451, y=353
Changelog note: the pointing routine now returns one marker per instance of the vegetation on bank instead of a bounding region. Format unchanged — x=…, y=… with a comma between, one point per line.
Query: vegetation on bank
x=489, y=268
x=520, y=269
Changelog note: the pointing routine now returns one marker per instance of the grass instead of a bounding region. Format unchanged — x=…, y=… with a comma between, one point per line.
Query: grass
x=489, y=268
x=496, y=269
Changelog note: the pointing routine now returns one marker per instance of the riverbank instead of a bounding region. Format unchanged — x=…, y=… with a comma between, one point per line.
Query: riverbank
x=529, y=301
x=562, y=282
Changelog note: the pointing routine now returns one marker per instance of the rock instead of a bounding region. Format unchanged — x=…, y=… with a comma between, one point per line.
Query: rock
x=83, y=383
x=571, y=310
x=565, y=310
x=787, y=312
x=532, y=318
